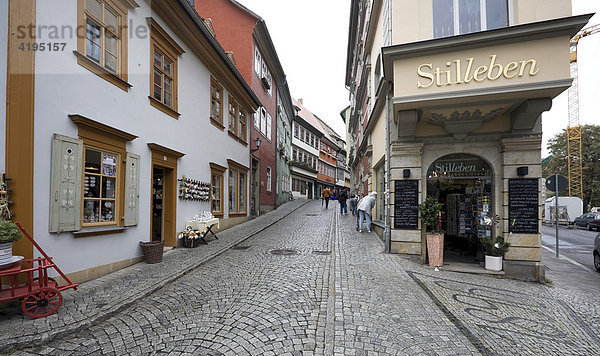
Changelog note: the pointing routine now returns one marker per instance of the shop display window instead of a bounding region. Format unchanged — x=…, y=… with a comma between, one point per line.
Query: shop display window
x=99, y=187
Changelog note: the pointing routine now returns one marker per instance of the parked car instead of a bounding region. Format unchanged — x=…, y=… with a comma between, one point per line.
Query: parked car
x=589, y=221
x=597, y=252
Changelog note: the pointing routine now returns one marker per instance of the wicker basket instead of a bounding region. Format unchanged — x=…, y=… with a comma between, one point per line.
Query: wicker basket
x=153, y=251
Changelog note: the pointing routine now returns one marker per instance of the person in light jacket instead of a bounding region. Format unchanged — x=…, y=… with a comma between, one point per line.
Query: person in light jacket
x=365, y=205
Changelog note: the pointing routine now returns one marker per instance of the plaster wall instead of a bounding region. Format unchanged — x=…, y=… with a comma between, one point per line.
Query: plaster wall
x=63, y=87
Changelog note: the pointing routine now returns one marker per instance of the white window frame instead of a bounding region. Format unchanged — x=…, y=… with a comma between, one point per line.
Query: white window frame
x=482, y=12
x=269, y=180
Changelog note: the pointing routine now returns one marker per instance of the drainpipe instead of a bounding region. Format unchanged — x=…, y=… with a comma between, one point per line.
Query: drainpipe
x=388, y=117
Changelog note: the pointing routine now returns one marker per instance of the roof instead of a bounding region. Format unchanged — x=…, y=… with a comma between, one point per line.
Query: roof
x=318, y=124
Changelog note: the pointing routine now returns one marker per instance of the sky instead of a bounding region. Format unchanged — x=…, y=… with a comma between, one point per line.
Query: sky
x=311, y=39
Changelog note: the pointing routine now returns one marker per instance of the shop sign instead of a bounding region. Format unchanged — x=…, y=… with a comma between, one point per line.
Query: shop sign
x=459, y=167
x=461, y=71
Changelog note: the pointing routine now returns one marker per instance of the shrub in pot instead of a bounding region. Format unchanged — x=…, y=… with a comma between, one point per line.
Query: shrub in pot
x=9, y=233
x=430, y=220
x=494, y=250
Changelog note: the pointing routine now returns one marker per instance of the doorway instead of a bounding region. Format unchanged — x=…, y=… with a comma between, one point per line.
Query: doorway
x=254, y=187
x=463, y=184
x=158, y=180
x=162, y=220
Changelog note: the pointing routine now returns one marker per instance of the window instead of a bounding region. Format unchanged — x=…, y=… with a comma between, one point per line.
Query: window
x=296, y=130
x=257, y=61
x=269, y=127
x=216, y=189
x=216, y=103
x=263, y=121
x=233, y=114
x=242, y=125
x=268, y=179
x=237, y=187
x=103, y=50
x=100, y=187
x=163, y=78
x=163, y=90
x=454, y=17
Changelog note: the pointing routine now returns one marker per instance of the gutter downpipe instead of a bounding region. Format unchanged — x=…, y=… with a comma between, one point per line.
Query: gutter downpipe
x=388, y=117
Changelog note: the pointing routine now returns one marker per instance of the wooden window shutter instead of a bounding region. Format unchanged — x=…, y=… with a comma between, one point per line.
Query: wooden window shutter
x=132, y=189
x=65, y=184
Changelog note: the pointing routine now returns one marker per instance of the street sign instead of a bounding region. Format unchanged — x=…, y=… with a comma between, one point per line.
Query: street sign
x=563, y=183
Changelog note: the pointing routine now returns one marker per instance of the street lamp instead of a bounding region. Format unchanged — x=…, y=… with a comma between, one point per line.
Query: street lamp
x=257, y=143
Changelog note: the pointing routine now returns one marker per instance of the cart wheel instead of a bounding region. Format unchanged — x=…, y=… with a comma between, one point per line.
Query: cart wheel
x=42, y=302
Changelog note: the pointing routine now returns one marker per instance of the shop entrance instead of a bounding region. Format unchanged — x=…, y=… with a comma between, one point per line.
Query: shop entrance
x=463, y=184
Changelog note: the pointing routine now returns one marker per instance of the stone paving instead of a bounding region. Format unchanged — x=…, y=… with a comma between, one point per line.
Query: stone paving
x=303, y=282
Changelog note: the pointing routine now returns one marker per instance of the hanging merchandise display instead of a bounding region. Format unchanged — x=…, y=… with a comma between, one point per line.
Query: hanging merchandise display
x=191, y=189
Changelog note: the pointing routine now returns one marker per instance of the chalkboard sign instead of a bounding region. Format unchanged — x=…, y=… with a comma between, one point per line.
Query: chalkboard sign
x=523, y=205
x=406, y=204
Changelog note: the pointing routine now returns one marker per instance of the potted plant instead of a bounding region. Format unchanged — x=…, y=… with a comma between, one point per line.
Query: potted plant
x=430, y=220
x=494, y=250
x=9, y=233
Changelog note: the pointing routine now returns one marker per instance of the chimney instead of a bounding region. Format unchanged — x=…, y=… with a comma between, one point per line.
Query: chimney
x=301, y=101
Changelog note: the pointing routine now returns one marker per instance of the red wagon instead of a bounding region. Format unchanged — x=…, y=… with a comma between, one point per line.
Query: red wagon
x=28, y=279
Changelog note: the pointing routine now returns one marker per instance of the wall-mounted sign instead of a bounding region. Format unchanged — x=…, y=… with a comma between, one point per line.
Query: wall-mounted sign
x=459, y=165
x=523, y=205
x=461, y=71
x=406, y=204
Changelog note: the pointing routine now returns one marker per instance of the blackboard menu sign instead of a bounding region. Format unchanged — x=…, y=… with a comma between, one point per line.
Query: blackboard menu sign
x=523, y=205
x=406, y=204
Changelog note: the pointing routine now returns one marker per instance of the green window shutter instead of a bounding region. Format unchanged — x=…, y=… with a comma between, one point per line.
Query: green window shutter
x=132, y=186
x=65, y=184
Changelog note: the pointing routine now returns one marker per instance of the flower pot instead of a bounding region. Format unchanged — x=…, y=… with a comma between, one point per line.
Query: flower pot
x=5, y=252
x=435, y=249
x=153, y=251
x=493, y=263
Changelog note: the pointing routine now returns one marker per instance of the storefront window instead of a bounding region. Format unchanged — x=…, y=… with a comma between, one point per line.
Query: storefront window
x=99, y=187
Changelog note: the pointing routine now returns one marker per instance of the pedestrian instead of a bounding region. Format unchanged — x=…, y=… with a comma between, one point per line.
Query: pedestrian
x=326, y=195
x=353, y=201
x=365, y=205
x=342, y=197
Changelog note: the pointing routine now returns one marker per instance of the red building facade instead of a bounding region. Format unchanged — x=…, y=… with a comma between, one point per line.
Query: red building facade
x=245, y=34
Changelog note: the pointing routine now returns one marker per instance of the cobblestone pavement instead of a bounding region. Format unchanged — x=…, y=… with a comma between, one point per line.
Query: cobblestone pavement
x=310, y=284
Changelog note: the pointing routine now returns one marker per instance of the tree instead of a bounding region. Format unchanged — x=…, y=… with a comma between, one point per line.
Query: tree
x=557, y=162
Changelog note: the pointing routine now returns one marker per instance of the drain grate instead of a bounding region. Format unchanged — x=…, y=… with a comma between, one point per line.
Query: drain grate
x=311, y=214
x=240, y=247
x=317, y=252
x=284, y=252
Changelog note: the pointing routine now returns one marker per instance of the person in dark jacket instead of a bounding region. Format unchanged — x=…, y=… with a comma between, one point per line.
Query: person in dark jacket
x=353, y=203
x=342, y=197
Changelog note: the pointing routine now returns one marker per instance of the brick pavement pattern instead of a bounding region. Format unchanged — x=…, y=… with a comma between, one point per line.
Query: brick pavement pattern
x=301, y=281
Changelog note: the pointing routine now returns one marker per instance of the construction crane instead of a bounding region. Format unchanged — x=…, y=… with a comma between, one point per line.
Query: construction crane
x=574, y=128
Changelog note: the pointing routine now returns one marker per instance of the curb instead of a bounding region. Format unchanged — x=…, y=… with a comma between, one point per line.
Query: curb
x=48, y=336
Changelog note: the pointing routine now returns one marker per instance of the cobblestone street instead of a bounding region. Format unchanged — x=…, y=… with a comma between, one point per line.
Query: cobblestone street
x=310, y=284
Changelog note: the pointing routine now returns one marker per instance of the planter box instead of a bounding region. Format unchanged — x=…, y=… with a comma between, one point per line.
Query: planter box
x=435, y=249
x=493, y=263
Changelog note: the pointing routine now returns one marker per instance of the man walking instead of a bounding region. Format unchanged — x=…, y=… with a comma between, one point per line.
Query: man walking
x=326, y=195
x=342, y=197
x=365, y=205
x=353, y=202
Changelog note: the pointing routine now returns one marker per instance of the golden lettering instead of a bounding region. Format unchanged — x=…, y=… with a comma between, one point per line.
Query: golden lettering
x=453, y=73
x=509, y=68
x=425, y=75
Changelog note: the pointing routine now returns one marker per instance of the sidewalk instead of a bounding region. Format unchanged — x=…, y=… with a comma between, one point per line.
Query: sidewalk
x=101, y=298
x=569, y=276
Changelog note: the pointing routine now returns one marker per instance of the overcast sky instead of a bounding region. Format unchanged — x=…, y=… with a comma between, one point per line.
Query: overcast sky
x=311, y=38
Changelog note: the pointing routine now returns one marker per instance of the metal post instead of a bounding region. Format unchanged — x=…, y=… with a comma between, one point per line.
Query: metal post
x=388, y=229
x=556, y=209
